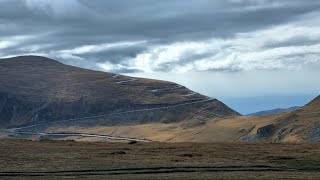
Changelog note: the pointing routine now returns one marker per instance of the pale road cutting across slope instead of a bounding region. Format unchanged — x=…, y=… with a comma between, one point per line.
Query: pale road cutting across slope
x=79, y=134
x=110, y=114
x=298, y=126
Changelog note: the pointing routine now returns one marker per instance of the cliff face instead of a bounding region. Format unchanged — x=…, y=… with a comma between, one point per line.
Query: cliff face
x=36, y=89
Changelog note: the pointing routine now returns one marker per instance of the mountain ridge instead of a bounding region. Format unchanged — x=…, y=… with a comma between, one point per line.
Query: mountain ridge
x=273, y=111
x=36, y=89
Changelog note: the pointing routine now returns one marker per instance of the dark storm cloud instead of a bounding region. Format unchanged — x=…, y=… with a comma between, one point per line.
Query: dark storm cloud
x=168, y=35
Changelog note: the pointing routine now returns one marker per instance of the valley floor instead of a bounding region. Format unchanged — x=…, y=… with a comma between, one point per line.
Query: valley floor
x=20, y=159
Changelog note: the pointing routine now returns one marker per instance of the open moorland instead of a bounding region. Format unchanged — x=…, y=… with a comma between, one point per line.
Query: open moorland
x=22, y=159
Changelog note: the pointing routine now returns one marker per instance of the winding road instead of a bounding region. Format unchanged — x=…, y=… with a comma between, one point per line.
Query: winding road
x=62, y=134
x=109, y=114
x=18, y=130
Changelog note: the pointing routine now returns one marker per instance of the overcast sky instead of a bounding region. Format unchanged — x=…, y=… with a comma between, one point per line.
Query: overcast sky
x=230, y=49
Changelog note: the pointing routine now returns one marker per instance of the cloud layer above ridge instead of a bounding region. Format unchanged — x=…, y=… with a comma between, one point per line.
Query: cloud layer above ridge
x=165, y=36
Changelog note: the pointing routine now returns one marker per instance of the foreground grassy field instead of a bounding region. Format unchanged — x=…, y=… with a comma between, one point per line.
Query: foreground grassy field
x=20, y=159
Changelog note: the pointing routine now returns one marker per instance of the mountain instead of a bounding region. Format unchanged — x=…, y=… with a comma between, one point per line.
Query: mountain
x=273, y=111
x=43, y=95
x=37, y=90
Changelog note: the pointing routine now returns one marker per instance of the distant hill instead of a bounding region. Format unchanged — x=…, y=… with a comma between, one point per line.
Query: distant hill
x=273, y=111
x=37, y=90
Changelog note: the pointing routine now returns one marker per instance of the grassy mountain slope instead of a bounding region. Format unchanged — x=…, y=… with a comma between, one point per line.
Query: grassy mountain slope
x=301, y=125
x=38, y=90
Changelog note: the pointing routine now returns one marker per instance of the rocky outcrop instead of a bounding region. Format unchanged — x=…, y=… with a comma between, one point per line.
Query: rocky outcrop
x=266, y=131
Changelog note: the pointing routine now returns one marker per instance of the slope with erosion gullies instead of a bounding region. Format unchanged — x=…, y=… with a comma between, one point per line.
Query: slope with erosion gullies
x=38, y=90
x=301, y=125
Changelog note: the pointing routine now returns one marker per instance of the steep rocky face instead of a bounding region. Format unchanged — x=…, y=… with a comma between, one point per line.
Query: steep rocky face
x=36, y=89
x=266, y=131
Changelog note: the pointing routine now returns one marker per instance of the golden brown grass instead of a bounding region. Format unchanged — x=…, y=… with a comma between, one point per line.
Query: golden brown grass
x=301, y=125
x=96, y=160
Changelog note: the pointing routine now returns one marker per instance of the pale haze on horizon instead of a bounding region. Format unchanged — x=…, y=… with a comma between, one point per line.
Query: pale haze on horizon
x=251, y=54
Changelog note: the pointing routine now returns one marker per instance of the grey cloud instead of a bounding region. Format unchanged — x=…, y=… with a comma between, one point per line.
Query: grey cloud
x=126, y=71
x=116, y=55
x=297, y=41
x=56, y=26
x=157, y=19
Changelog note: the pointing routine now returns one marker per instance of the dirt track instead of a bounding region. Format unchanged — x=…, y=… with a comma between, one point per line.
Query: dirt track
x=153, y=170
